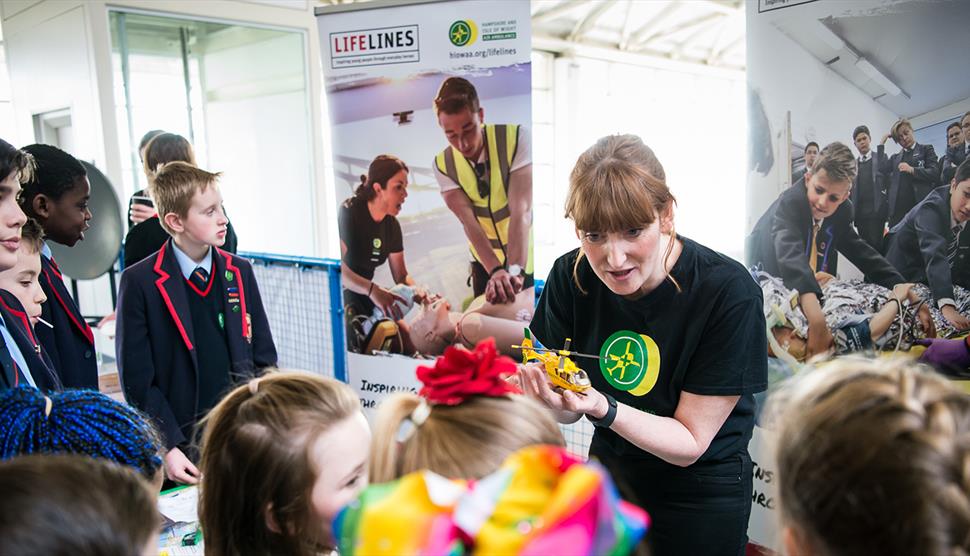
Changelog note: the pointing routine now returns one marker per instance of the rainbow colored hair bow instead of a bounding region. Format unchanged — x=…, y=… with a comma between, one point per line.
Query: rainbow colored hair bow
x=543, y=500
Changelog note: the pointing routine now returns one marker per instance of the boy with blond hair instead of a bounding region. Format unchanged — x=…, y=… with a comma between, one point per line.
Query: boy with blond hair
x=913, y=172
x=182, y=343
x=804, y=231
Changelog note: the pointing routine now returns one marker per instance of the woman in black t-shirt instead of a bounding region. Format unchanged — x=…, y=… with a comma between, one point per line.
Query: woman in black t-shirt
x=370, y=235
x=680, y=336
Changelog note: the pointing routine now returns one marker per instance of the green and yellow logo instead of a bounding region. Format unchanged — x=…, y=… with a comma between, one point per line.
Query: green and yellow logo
x=463, y=32
x=377, y=243
x=630, y=362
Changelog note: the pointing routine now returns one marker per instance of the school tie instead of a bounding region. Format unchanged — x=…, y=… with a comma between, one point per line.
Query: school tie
x=200, y=277
x=951, y=249
x=10, y=368
x=813, y=255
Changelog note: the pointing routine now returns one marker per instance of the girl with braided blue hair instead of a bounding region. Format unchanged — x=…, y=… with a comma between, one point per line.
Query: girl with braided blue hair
x=82, y=422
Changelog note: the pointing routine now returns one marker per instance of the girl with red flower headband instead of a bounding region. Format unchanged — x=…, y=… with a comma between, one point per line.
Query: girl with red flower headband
x=467, y=420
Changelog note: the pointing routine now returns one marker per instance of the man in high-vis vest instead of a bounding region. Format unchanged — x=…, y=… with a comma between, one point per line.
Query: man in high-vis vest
x=485, y=175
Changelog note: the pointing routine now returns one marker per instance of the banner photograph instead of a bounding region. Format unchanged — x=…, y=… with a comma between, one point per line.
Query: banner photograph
x=432, y=157
x=858, y=115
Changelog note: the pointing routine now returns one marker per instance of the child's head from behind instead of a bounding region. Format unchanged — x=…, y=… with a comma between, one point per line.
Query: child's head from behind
x=16, y=167
x=163, y=148
x=280, y=456
x=22, y=279
x=70, y=504
x=189, y=203
x=57, y=195
x=467, y=420
x=468, y=440
x=873, y=459
x=77, y=422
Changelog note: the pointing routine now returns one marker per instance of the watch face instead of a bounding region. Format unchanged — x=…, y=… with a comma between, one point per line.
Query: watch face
x=515, y=270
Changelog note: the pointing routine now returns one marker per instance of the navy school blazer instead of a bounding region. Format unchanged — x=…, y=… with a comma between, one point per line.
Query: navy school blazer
x=878, y=193
x=926, y=172
x=38, y=362
x=917, y=246
x=780, y=241
x=70, y=343
x=155, y=344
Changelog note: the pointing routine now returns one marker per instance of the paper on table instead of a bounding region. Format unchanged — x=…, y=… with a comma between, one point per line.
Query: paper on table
x=180, y=505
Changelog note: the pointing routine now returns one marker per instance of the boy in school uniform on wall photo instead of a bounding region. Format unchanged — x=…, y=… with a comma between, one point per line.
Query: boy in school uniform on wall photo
x=806, y=228
x=191, y=322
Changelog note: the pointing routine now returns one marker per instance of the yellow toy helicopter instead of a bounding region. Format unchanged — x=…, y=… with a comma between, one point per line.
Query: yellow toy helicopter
x=562, y=371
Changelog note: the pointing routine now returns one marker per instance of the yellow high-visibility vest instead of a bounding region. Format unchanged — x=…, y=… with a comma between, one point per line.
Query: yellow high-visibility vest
x=492, y=210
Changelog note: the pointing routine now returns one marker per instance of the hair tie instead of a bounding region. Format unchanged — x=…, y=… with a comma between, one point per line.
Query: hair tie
x=48, y=405
x=254, y=385
x=415, y=419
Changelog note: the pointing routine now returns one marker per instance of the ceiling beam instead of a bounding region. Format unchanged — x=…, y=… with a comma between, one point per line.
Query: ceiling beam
x=726, y=8
x=555, y=11
x=716, y=53
x=650, y=26
x=689, y=24
x=625, y=31
x=589, y=20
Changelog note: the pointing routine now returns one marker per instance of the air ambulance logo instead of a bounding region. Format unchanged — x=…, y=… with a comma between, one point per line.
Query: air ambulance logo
x=463, y=32
x=630, y=362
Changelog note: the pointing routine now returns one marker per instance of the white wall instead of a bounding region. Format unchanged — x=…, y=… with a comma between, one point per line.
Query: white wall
x=692, y=118
x=267, y=185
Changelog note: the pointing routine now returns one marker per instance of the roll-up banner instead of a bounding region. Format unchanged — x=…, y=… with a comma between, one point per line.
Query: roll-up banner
x=847, y=71
x=430, y=115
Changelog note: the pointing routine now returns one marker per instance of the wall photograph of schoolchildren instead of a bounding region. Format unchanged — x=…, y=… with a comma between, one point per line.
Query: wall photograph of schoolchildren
x=858, y=189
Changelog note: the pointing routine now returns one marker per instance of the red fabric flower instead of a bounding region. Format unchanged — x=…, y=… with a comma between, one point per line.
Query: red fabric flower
x=461, y=374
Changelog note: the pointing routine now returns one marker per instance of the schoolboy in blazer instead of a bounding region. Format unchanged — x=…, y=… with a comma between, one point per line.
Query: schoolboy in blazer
x=190, y=318
x=913, y=172
x=57, y=198
x=956, y=152
x=782, y=241
x=930, y=245
x=868, y=193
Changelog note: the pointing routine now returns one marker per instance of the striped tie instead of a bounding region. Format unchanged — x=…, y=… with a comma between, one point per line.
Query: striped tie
x=200, y=278
x=951, y=249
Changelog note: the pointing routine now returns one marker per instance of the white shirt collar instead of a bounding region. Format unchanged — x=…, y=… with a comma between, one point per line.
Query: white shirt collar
x=45, y=250
x=866, y=157
x=954, y=223
x=187, y=265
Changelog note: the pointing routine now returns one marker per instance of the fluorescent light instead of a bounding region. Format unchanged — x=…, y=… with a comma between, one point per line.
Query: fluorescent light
x=828, y=36
x=877, y=76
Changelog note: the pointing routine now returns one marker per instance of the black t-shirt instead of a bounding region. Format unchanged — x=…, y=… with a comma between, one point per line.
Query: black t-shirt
x=368, y=242
x=708, y=339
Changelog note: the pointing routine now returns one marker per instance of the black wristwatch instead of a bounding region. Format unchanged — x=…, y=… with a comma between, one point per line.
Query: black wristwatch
x=610, y=416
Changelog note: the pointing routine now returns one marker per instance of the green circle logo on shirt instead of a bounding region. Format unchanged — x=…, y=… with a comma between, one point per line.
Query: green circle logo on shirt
x=377, y=243
x=630, y=362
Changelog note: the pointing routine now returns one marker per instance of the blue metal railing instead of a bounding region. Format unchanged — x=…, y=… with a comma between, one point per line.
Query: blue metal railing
x=332, y=268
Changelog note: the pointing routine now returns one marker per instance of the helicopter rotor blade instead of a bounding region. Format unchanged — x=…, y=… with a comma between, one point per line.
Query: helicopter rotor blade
x=547, y=350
